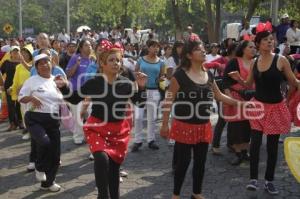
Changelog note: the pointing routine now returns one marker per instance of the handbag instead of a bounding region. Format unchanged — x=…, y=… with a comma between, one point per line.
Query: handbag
x=67, y=119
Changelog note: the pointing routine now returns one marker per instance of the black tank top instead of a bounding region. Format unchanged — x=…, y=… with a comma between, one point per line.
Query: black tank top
x=193, y=101
x=267, y=83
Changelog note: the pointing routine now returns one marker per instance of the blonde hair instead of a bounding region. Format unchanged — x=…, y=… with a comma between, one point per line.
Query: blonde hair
x=104, y=55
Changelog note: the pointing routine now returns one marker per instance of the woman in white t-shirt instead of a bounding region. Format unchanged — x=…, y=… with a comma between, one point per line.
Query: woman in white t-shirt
x=293, y=37
x=43, y=100
x=174, y=61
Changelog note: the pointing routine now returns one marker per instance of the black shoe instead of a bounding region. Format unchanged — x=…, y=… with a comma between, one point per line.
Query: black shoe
x=253, y=185
x=153, y=146
x=245, y=155
x=136, y=147
x=237, y=160
x=270, y=188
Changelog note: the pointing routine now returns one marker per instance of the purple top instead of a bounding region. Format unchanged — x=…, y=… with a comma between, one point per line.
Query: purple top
x=77, y=81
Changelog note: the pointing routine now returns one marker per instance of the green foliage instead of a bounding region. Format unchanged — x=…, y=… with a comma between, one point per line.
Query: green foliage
x=50, y=15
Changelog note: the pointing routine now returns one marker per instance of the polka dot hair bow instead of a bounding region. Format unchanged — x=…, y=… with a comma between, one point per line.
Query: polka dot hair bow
x=107, y=45
x=264, y=27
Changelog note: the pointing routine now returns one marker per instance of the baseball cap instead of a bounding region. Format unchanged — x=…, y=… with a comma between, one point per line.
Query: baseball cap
x=40, y=57
x=285, y=15
x=12, y=48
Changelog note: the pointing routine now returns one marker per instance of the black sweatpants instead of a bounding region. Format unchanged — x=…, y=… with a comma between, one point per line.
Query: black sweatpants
x=272, y=151
x=14, y=112
x=107, y=175
x=45, y=132
x=184, y=154
x=32, y=155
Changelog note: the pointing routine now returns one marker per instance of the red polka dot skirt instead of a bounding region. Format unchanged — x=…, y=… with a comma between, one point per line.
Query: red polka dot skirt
x=271, y=119
x=111, y=137
x=190, y=133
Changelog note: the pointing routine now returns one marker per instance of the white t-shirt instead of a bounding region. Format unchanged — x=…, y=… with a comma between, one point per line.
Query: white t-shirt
x=64, y=37
x=45, y=90
x=170, y=63
x=293, y=37
x=129, y=63
x=210, y=57
x=134, y=37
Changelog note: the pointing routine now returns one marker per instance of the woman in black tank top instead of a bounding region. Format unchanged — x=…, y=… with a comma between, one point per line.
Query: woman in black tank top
x=272, y=117
x=191, y=93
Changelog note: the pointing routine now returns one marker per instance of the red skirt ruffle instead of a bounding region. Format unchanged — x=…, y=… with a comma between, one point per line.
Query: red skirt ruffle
x=111, y=137
x=190, y=133
x=294, y=108
x=271, y=119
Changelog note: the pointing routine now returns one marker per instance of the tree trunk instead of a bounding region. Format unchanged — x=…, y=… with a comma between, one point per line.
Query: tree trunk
x=124, y=18
x=178, y=25
x=252, y=5
x=210, y=22
x=218, y=20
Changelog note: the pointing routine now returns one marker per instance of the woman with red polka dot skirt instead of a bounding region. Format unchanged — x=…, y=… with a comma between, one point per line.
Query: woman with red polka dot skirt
x=107, y=129
x=271, y=116
x=190, y=95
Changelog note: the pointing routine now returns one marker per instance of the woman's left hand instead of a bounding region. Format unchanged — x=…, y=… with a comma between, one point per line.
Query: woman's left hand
x=235, y=75
x=60, y=81
x=141, y=79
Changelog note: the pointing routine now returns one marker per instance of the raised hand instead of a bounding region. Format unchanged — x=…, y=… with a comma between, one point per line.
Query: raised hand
x=141, y=79
x=60, y=81
x=235, y=75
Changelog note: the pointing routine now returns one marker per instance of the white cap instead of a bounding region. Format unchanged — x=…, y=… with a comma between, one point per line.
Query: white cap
x=5, y=48
x=14, y=48
x=40, y=57
x=285, y=15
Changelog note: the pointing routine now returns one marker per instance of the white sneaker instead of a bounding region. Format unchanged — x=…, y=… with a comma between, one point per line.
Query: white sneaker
x=78, y=142
x=91, y=157
x=31, y=166
x=123, y=173
x=171, y=142
x=53, y=188
x=40, y=176
x=26, y=136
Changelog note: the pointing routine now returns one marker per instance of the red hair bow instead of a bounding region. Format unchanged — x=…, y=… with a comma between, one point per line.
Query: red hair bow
x=264, y=27
x=247, y=37
x=107, y=45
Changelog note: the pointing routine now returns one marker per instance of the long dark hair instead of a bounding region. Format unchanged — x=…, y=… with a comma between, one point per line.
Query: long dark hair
x=80, y=45
x=188, y=48
x=240, y=49
x=175, y=55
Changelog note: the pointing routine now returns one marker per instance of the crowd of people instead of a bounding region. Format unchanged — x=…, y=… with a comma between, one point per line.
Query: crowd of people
x=108, y=80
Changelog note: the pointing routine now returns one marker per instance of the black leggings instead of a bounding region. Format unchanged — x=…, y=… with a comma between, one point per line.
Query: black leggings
x=107, y=174
x=184, y=153
x=272, y=150
x=219, y=128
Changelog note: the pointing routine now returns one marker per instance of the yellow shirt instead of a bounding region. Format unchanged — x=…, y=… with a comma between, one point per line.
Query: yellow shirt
x=21, y=75
x=4, y=58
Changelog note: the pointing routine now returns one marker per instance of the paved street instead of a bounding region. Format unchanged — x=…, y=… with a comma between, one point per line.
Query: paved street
x=149, y=173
